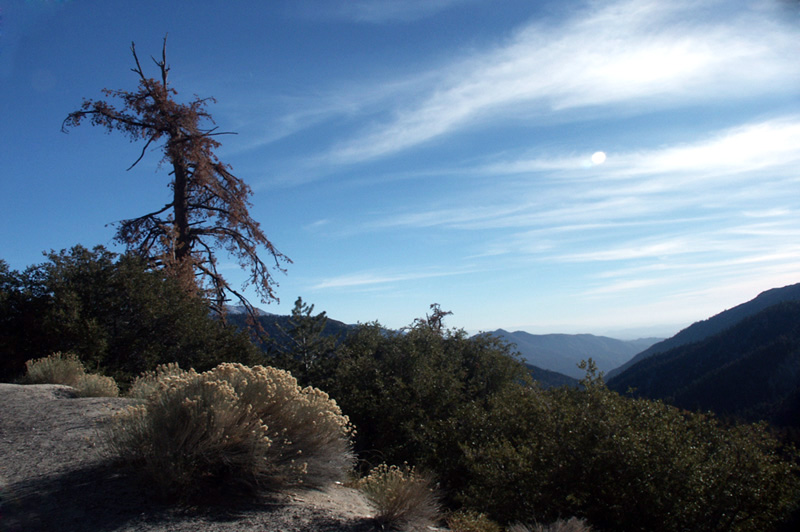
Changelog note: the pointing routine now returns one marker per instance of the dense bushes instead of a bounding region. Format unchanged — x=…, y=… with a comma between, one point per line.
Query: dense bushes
x=113, y=312
x=232, y=426
x=400, y=387
x=623, y=464
x=462, y=408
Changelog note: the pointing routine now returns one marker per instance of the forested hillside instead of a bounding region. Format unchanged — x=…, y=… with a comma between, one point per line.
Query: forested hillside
x=302, y=331
x=718, y=323
x=750, y=370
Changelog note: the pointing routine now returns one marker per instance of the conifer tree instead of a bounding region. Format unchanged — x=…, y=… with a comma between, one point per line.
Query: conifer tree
x=308, y=346
x=208, y=210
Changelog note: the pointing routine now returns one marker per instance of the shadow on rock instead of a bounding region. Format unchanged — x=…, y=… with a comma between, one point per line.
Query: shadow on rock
x=105, y=498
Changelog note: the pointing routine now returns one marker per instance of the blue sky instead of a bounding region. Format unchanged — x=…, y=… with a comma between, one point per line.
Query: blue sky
x=406, y=153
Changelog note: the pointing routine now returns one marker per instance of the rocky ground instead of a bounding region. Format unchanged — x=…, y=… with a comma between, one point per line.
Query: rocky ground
x=54, y=476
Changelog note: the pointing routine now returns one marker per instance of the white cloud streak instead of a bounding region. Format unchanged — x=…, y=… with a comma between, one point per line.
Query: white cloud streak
x=751, y=161
x=612, y=54
x=361, y=279
x=383, y=11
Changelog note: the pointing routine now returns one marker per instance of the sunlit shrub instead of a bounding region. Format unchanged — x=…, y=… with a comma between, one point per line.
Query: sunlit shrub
x=58, y=368
x=232, y=426
x=572, y=525
x=404, y=499
x=471, y=521
x=148, y=382
x=67, y=369
x=92, y=385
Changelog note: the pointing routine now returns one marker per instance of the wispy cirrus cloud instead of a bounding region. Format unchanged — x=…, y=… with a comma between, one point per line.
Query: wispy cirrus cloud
x=631, y=187
x=371, y=278
x=720, y=207
x=747, y=147
x=383, y=11
x=611, y=54
x=267, y=116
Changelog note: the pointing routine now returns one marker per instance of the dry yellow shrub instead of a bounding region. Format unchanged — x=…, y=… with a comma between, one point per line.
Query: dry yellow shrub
x=92, y=385
x=254, y=427
x=58, y=368
x=67, y=369
x=148, y=382
x=403, y=498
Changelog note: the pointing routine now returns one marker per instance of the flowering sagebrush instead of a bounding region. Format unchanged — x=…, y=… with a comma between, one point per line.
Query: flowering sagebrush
x=471, y=521
x=148, y=382
x=58, y=368
x=93, y=385
x=572, y=525
x=67, y=369
x=404, y=498
x=252, y=427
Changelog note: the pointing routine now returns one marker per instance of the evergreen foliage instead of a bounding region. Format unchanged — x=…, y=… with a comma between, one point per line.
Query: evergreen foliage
x=304, y=348
x=623, y=464
x=464, y=409
x=115, y=313
x=750, y=370
x=402, y=388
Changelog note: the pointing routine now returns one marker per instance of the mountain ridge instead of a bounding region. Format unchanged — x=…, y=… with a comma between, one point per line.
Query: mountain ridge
x=750, y=370
x=276, y=327
x=563, y=352
x=703, y=329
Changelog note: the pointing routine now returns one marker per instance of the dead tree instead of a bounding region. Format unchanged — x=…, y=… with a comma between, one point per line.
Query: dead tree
x=209, y=207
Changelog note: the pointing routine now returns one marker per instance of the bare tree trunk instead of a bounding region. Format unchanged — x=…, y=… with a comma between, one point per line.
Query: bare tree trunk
x=183, y=239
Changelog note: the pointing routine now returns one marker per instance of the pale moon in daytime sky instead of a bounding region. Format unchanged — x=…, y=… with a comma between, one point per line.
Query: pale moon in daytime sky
x=598, y=157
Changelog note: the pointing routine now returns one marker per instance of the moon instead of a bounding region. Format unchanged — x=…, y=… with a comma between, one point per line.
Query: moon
x=598, y=157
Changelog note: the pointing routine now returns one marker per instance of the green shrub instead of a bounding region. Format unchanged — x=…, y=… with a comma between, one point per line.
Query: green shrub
x=403, y=498
x=623, y=464
x=122, y=316
x=58, y=368
x=403, y=389
x=232, y=426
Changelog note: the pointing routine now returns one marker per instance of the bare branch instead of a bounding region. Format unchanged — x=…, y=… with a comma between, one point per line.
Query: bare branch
x=138, y=68
x=141, y=155
x=151, y=215
x=163, y=64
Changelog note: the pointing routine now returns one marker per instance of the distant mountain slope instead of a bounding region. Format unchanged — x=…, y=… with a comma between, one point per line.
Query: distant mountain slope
x=563, y=352
x=275, y=325
x=703, y=329
x=750, y=370
x=551, y=379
